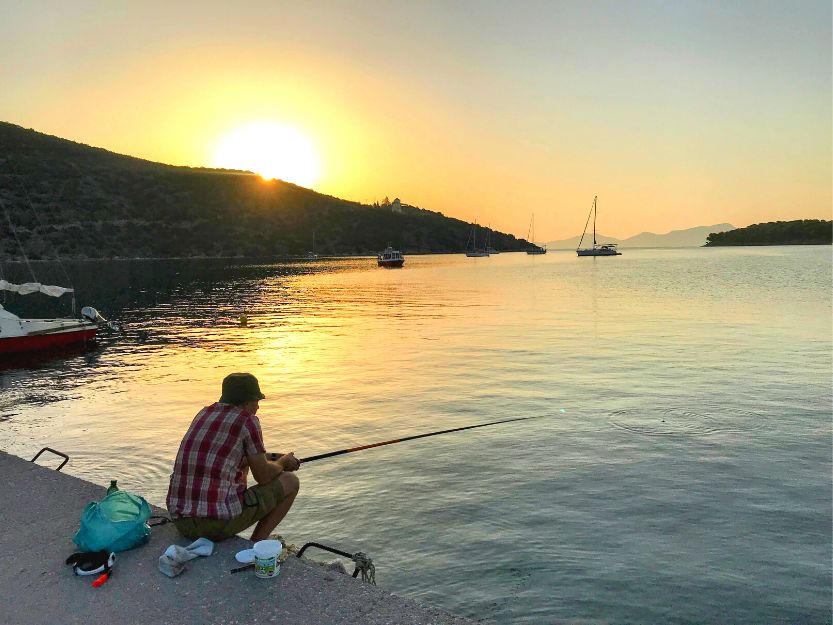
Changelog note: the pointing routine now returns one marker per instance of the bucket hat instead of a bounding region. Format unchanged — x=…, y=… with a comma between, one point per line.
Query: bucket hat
x=239, y=388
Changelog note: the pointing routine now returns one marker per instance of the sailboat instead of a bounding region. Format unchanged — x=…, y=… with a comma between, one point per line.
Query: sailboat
x=535, y=250
x=608, y=249
x=489, y=247
x=474, y=252
x=22, y=336
x=312, y=255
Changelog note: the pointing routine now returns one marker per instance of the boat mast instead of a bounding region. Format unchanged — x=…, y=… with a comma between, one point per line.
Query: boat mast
x=586, y=223
x=594, y=220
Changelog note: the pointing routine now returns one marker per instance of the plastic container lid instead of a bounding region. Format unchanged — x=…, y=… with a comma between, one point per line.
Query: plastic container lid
x=268, y=548
x=247, y=556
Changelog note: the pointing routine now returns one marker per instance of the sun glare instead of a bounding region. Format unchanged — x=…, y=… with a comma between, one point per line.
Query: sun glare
x=271, y=150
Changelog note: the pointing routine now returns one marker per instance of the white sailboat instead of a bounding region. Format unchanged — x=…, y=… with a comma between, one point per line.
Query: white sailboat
x=312, y=255
x=535, y=250
x=607, y=249
x=489, y=247
x=474, y=252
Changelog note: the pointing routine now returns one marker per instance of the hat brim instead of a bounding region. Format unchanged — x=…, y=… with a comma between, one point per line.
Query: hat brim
x=231, y=400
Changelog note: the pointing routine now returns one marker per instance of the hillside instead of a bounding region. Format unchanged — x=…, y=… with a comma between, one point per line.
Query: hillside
x=798, y=232
x=83, y=202
x=689, y=237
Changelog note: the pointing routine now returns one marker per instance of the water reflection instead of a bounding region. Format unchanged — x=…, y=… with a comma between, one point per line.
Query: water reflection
x=597, y=503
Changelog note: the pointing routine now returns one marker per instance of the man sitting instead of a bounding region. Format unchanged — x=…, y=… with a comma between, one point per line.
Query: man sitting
x=208, y=495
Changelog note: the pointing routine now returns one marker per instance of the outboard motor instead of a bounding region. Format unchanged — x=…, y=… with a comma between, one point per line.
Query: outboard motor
x=88, y=313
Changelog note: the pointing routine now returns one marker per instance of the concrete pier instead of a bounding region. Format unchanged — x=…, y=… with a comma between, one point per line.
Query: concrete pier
x=39, y=513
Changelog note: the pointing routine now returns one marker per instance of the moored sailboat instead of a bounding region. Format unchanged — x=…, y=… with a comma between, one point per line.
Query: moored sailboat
x=312, y=255
x=606, y=249
x=474, y=252
x=535, y=250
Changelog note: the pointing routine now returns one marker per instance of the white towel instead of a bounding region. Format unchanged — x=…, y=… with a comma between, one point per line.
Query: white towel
x=172, y=562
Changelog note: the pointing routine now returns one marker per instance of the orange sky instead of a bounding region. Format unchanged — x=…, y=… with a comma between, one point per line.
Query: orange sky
x=675, y=115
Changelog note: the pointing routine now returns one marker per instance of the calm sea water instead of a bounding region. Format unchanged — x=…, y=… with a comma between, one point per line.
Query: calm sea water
x=680, y=471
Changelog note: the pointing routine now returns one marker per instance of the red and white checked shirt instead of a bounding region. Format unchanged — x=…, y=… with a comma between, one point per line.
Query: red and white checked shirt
x=208, y=478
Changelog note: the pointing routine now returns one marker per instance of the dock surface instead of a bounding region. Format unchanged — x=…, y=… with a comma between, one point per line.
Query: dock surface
x=40, y=509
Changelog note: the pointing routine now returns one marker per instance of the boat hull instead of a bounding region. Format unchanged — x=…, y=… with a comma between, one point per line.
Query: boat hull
x=598, y=253
x=536, y=252
x=46, y=341
x=392, y=264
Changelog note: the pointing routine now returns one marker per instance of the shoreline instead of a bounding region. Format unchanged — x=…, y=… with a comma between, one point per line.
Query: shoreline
x=369, y=255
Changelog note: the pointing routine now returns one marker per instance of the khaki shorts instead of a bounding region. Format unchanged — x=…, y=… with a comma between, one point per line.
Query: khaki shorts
x=258, y=501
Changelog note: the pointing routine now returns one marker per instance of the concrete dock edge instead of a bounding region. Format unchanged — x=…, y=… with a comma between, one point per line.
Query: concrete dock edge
x=39, y=513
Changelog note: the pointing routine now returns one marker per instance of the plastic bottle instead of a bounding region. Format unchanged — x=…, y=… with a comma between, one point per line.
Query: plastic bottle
x=113, y=488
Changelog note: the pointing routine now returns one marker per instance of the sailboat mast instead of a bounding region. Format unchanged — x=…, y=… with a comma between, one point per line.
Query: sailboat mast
x=594, y=220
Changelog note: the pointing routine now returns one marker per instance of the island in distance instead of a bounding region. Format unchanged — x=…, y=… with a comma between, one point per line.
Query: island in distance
x=796, y=232
x=690, y=237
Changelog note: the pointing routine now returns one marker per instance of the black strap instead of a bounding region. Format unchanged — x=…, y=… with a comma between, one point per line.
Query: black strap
x=158, y=520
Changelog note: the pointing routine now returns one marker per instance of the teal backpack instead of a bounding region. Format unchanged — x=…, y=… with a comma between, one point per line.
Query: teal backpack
x=116, y=523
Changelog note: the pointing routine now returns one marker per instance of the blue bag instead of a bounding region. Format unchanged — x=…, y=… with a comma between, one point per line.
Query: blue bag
x=116, y=523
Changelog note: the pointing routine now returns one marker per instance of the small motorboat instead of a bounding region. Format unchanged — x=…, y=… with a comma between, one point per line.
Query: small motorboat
x=20, y=336
x=390, y=258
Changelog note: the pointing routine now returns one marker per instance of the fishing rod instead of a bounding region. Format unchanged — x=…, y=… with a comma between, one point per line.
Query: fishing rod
x=410, y=438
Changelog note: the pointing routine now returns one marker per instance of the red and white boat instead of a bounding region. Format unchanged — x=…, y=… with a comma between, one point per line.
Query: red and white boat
x=19, y=336
x=390, y=258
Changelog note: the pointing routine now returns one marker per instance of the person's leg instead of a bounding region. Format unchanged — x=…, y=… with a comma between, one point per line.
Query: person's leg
x=291, y=484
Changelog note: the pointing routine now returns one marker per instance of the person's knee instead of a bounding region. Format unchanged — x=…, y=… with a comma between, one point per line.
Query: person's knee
x=291, y=484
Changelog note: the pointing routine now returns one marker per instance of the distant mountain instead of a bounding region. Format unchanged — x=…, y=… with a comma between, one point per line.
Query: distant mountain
x=797, y=232
x=66, y=198
x=690, y=237
x=572, y=243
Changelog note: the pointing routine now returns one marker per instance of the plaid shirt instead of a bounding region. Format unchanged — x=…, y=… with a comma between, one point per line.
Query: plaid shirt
x=208, y=478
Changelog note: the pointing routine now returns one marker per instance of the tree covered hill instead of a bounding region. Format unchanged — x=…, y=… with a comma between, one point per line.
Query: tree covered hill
x=64, y=198
x=798, y=232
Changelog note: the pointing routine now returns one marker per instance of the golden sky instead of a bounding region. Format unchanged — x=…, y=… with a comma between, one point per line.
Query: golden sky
x=675, y=114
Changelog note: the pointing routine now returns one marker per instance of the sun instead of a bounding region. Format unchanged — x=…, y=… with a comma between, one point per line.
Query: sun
x=271, y=150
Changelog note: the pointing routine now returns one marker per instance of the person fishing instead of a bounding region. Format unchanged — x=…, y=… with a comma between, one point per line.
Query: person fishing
x=208, y=495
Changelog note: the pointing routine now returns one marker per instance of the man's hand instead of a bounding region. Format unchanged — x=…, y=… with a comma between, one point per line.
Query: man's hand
x=289, y=462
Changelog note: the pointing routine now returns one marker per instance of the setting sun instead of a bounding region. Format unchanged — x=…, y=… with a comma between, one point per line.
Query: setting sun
x=271, y=150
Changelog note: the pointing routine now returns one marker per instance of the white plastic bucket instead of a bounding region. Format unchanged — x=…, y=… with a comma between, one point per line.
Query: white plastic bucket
x=266, y=558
